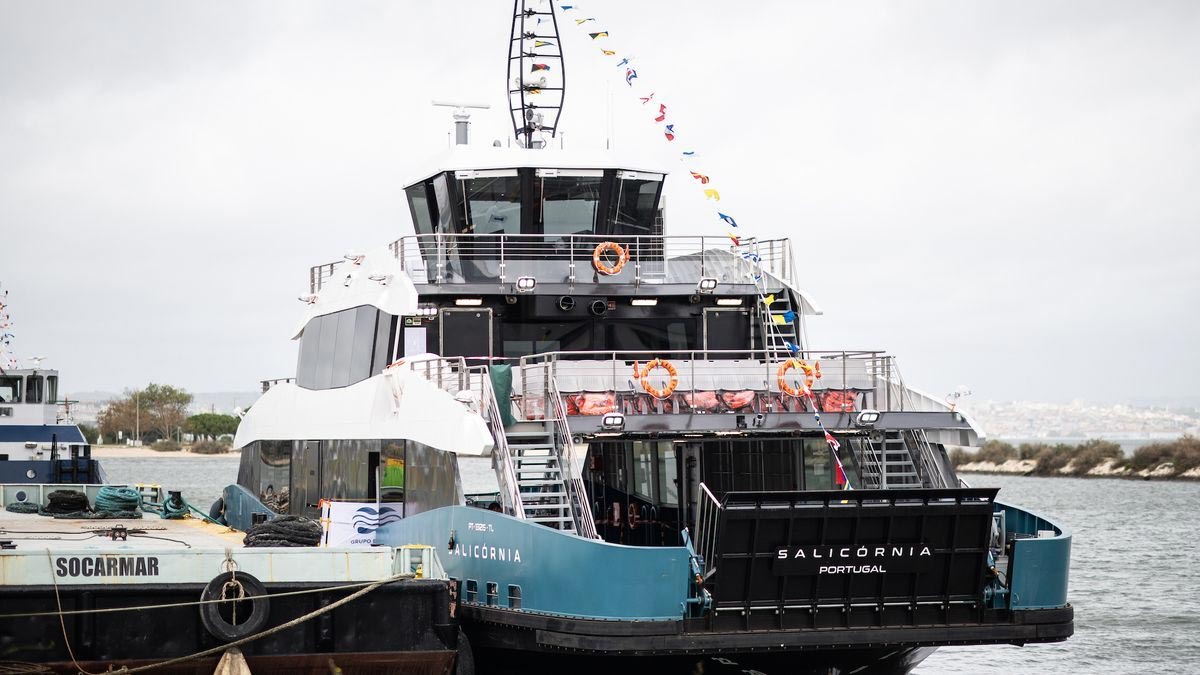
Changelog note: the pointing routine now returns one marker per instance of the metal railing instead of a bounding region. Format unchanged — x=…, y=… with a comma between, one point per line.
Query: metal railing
x=501, y=258
x=267, y=384
x=451, y=374
x=707, y=520
x=564, y=446
x=506, y=473
x=863, y=379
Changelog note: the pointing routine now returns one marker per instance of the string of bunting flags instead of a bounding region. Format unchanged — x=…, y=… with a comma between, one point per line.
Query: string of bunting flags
x=7, y=360
x=659, y=112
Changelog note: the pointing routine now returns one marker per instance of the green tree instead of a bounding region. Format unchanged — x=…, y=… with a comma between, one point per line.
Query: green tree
x=157, y=410
x=211, y=425
x=90, y=433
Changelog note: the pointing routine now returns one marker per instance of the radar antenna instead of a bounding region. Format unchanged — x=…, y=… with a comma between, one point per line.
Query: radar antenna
x=536, y=77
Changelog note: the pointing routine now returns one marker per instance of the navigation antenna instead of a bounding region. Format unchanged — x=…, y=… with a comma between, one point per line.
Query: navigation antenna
x=536, y=77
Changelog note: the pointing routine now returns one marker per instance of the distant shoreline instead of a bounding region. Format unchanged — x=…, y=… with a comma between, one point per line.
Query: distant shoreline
x=145, y=452
x=1016, y=467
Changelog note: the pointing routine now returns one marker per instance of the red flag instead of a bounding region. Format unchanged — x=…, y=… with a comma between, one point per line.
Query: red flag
x=833, y=444
x=839, y=476
x=662, y=112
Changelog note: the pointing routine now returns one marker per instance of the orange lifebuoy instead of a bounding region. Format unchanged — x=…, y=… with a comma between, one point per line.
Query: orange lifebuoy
x=643, y=375
x=811, y=373
x=601, y=266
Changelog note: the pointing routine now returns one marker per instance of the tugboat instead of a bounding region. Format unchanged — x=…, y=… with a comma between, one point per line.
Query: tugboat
x=680, y=478
x=39, y=441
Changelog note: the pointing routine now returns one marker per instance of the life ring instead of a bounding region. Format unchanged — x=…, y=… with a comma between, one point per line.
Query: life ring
x=644, y=376
x=232, y=586
x=604, y=247
x=811, y=373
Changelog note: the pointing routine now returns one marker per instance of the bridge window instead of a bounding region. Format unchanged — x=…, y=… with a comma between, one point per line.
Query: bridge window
x=33, y=389
x=418, y=204
x=52, y=389
x=10, y=389
x=568, y=201
x=636, y=202
x=491, y=201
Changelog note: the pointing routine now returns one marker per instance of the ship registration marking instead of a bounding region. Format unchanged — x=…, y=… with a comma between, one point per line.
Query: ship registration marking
x=107, y=566
x=851, y=559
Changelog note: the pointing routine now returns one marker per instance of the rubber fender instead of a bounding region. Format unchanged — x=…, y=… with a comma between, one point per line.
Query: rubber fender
x=464, y=658
x=210, y=614
x=217, y=511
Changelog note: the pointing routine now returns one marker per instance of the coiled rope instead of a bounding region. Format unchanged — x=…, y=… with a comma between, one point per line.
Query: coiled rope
x=114, y=499
x=22, y=507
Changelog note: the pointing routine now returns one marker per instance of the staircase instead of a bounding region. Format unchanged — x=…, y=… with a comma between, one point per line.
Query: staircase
x=777, y=336
x=898, y=469
x=540, y=474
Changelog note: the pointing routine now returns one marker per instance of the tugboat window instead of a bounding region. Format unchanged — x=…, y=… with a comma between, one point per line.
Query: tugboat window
x=568, y=203
x=10, y=390
x=33, y=389
x=636, y=204
x=492, y=203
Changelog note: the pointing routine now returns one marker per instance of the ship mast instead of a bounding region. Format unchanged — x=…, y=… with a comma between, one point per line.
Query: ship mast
x=536, y=77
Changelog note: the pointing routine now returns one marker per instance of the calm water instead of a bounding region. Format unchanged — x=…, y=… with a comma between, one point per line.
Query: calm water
x=1135, y=565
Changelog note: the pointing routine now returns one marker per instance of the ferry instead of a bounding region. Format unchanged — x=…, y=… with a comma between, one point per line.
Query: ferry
x=682, y=482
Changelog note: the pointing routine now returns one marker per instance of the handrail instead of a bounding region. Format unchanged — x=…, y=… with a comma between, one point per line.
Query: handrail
x=427, y=258
x=707, y=519
x=506, y=474
x=564, y=445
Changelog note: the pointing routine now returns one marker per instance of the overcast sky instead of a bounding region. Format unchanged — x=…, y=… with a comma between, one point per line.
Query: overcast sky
x=1005, y=195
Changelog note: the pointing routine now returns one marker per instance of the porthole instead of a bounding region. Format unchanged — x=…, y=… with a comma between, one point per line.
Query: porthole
x=20, y=495
x=31, y=474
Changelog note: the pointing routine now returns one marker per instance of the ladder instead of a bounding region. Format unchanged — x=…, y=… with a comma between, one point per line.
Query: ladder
x=541, y=476
x=899, y=471
x=777, y=336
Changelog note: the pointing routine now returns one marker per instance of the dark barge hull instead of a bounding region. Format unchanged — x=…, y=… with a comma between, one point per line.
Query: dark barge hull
x=500, y=637
x=404, y=626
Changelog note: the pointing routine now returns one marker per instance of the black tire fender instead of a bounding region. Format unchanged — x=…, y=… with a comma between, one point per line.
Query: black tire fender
x=217, y=511
x=464, y=661
x=210, y=614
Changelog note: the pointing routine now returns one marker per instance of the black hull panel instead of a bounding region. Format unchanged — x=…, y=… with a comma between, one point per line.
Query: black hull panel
x=606, y=646
x=396, y=621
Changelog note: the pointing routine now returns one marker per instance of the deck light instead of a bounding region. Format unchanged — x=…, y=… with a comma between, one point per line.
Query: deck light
x=758, y=420
x=729, y=302
x=644, y=302
x=310, y=299
x=612, y=421
x=706, y=285
x=526, y=284
x=468, y=302
x=383, y=279
x=867, y=418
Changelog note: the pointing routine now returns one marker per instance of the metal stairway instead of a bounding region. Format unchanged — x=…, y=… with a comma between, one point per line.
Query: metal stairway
x=899, y=471
x=540, y=477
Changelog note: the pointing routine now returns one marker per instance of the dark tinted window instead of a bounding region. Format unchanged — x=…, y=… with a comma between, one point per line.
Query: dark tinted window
x=345, y=347
x=33, y=389
x=10, y=390
x=568, y=204
x=418, y=203
x=635, y=203
x=492, y=204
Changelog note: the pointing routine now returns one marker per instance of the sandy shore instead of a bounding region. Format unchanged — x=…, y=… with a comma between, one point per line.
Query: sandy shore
x=126, y=451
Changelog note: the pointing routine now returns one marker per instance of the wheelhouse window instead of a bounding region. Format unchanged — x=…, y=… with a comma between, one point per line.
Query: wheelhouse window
x=52, y=389
x=275, y=469
x=567, y=201
x=635, y=202
x=418, y=204
x=33, y=389
x=491, y=201
x=10, y=389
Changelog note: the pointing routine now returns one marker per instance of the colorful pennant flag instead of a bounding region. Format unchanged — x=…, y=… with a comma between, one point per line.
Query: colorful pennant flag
x=542, y=43
x=689, y=153
x=540, y=66
x=704, y=181
x=794, y=349
x=778, y=319
x=601, y=34
x=580, y=22
x=630, y=76
x=710, y=193
x=670, y=132
x=608, y=52
x=646, y=99
x=567, y=8
x=789, y=316
x=662, y=112
x=734, y=239
x=623, y=62
x=769, y=300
